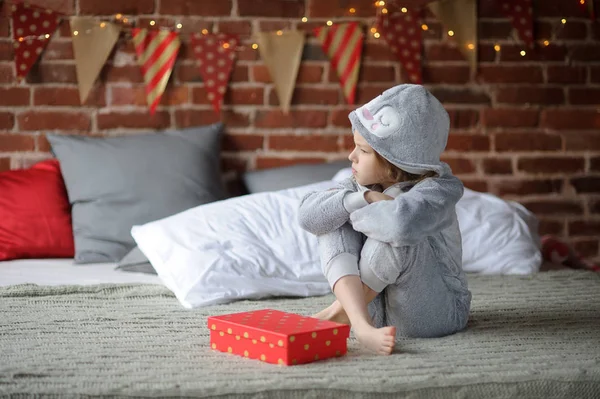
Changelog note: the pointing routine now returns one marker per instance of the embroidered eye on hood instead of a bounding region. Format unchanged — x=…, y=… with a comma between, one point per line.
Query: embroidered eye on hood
x=407, y=126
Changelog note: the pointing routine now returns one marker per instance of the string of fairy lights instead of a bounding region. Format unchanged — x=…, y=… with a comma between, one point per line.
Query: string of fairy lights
x=381, y=6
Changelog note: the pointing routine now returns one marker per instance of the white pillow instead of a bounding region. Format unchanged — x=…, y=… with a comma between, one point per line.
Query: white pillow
x=498, y=236
x=247, y=247
x=252, y=247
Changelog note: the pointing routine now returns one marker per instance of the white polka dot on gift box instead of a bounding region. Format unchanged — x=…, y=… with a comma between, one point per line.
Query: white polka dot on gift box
x=215, y=54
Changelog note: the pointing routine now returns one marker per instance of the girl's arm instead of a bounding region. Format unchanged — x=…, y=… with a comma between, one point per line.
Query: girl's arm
x=424, y=210
x=324, y=211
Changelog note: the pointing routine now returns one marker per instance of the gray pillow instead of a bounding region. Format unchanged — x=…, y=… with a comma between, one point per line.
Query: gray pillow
x=291, y=176
x=117, y=182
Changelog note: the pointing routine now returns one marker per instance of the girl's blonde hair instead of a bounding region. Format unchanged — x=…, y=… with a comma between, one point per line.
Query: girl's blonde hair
x=395, y=174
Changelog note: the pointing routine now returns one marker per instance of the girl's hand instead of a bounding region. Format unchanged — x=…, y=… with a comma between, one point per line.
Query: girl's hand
x=374, y=196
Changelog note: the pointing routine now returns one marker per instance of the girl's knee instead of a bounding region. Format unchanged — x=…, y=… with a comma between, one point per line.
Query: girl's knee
x=381, y=264
x=338, y=242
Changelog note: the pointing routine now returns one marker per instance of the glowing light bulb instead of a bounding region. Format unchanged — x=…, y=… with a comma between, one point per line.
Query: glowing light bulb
x=75, y=33
x=424, y=27
x=47, y=36
x=304, y=19
x=373, y=30
x=118, y=16
x=179, y=26
x=205, y=31
x=376, y=34
x=563, y=21
x=450, y=33
x=471, y=46
x=384, y=11
x=225, y=45
x=497, y=47
x=329, y=23
x=404, y=9
x=254, y=46
x=546, y=43
x=352, y=10
x=152, y=23
x=103, y=25
x=523, y=53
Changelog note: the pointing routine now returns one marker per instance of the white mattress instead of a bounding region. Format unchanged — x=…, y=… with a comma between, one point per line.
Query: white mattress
x=66, y=272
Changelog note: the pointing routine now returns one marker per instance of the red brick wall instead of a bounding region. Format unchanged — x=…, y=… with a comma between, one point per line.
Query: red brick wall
x=526, y=128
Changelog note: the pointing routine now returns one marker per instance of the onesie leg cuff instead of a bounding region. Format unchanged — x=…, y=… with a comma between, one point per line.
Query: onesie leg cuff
x=370, y=279
x=344, y=264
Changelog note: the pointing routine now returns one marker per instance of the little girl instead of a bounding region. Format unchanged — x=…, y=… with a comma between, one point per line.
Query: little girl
x=388, y=236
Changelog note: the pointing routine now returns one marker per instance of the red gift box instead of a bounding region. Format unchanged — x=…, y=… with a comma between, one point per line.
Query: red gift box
x=277, y=337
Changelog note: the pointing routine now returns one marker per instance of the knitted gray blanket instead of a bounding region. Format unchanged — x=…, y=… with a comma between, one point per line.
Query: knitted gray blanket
x=529, y=336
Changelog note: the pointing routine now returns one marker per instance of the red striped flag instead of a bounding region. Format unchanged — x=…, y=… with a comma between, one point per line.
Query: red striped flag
x=343, y=45
x=156, y=51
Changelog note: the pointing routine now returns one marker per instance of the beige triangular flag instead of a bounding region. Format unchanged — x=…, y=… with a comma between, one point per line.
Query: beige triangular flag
x=93, y=42
x=460, y=17
x=282, y=53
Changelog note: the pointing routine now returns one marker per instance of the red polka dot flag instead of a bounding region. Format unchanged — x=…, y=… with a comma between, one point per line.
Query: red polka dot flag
x=216, y=55
x=156, y=52
x=32, y=27
x=403, y=33
x=520, y=13
x=343, y=44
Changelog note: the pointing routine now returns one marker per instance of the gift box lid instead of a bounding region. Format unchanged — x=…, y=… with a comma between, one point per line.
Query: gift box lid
x=274, y=326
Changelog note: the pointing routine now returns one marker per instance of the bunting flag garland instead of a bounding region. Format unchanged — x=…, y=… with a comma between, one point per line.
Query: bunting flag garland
x=32, y=27
x=156, y=52
x=460, y=17
x=520, y=13
x=403, y=33
x=216, y=55
x=282, y=54
x=343, y=44
x=157, y=49
x=92, y=44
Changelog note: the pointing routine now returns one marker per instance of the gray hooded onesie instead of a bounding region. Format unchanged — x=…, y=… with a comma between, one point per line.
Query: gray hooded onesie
x=409, y=249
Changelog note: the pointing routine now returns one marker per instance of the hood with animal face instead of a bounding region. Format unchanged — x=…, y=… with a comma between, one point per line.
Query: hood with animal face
x=407, y=126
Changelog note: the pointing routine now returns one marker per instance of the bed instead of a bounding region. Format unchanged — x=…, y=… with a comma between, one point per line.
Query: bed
x=75, y=328
x=94, y=331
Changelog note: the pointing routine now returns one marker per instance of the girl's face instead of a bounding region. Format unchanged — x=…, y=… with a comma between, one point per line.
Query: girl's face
x=366, y=168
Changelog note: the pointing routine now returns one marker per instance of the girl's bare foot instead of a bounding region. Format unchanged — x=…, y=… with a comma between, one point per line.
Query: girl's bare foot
x=335, y=312
x=379, y=340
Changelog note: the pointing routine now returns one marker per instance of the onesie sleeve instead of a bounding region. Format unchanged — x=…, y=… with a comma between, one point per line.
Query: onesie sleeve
x=427, y=208
x=321, y=212
x=355, y=201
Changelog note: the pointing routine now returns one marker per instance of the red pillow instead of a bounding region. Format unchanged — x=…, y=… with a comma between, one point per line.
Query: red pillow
x=35, y=215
